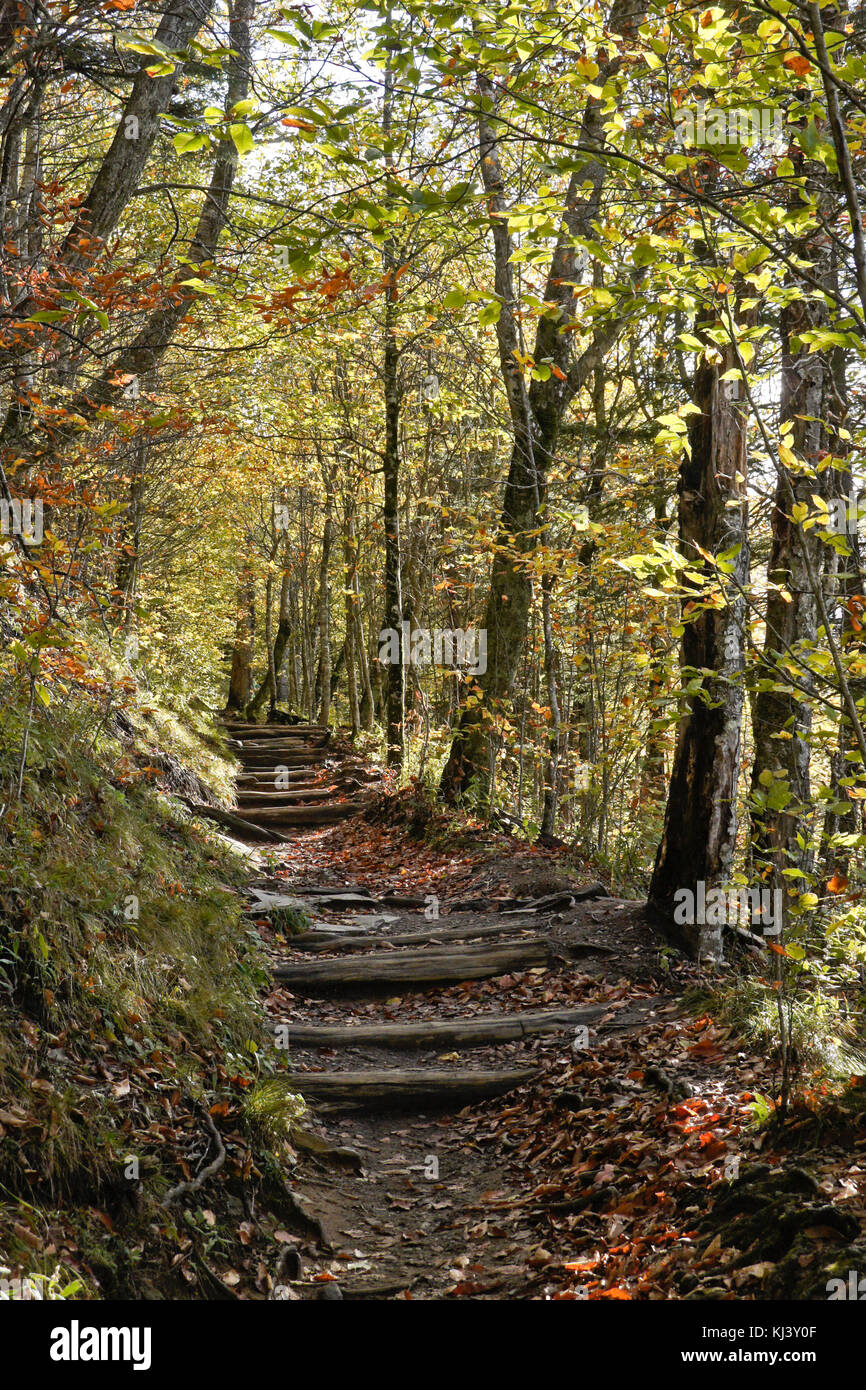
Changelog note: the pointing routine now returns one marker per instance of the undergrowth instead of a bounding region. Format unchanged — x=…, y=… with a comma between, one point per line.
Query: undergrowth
x=826, y=1035
x=129, y=983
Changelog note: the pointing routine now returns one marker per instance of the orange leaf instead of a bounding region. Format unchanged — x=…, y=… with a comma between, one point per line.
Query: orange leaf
x=798, y=64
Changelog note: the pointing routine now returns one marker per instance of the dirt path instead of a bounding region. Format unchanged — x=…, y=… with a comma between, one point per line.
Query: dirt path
x=403, y=1186
x=432, y=1206
x=507, y=1097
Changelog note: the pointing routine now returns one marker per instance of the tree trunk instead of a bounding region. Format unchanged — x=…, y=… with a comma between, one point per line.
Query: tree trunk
x=241, y=672
x=126, y=577
x=120, y=172
x=852, y=583
x=150, y=344
x=700, y=823
x=394, y=675
x=652, y=776
x=535, y=414
x=323, y=678
x=551, y=672
x=350, y=561
x=281, y=639
x=783, y=709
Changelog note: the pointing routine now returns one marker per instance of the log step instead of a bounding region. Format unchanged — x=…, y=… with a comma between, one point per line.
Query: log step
x=284, y=732
x=454, y=1032
x=296, y=791
x=276, y=730
x=279, y=734
x=296, y=777
x=312, y=795
x=271, y=801
x=276, y=818
x=436, y=965
x=269, y=745
x=309, y=741
x=281, y=753
x=314, y=940
x=268, y=762
x=412, y=1088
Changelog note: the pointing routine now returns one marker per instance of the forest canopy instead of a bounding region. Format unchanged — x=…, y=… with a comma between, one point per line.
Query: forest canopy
x=542, y=324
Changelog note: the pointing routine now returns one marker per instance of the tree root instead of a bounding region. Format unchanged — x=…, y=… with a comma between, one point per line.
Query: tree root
x=195, y=1183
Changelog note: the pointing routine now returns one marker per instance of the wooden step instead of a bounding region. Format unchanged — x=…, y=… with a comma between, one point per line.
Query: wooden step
x=275, y=751
x=281, y=757
x=274, y=748
x=278, y=818
x=269, y=801
x=315, y=941
x=277, y=731
x=412, y=1088
x=295, y=776
x=269, y=792
x=309, y=741
x=446, y=965
x=453, y=1032
x=254, y=741
x=268, y=769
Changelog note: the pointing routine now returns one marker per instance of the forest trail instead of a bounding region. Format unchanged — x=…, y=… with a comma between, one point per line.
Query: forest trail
x=411, y=1201
x=403, y=1006
x=507, y=1097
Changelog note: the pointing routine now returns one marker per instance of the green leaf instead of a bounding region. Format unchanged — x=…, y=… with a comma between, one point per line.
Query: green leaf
x=196, y=284
x=283, y=36
x=243, y=138
x=187, y=141
x=644, y=252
